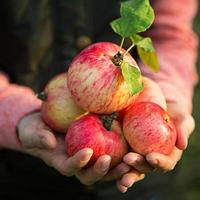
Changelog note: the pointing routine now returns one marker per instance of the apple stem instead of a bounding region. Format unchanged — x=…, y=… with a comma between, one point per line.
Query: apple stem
x=108, y=119
x=114, y=115
x=42, y=96
x=122, y=42
x=118, y=58
x=129, y=49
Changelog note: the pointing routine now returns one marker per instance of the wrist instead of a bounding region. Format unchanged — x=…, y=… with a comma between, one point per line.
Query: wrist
x=4, y=82
x=15, y=103
x=173, y=94
x=176, y=88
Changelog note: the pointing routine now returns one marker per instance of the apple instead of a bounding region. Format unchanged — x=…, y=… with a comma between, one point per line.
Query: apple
x=148, y=128
x=100, y=133
x=58, y=107
x=95, y=79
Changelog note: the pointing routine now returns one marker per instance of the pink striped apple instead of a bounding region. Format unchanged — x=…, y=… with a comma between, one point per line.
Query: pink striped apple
x=148, y=128
x=95, y=78
x=98, y=133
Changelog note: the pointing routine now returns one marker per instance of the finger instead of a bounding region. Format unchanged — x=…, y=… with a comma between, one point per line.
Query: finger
x=38, y=139
x=164, y=162
x=184, y=123
x=117, y=172
x=96, y=172
x=47, y=139
x=130, y=178
x=184, y=129
x=68, y=166
x=138, y=162
x=121, y=188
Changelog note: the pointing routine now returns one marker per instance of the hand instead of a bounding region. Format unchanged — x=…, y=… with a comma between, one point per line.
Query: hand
x=184, y=123
x=124, y=175
x=38, y=140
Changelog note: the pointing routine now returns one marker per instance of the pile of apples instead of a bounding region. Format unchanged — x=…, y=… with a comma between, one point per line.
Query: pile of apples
x=92, y=105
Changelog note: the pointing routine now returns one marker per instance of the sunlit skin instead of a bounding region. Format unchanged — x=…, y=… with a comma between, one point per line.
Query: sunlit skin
x=151, y=92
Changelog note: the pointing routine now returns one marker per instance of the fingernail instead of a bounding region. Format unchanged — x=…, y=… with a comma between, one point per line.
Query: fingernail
x=105, y=164
x=153, y=162
x=86, y=155
x=45, y=142
x=134, y=161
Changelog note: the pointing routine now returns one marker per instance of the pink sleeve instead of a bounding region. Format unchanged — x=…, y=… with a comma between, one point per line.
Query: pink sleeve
x=176, y=47
x=4, y=82
x=15, y=102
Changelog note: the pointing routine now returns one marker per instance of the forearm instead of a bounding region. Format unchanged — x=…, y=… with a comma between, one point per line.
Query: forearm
x=15, y=102
x=176, y=47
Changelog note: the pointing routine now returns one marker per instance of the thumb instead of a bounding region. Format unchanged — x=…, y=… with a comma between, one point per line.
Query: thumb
x=38, y=139
x=184, y=129
x=184, y=123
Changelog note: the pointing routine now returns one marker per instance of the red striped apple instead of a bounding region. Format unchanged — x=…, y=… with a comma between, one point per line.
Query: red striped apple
x=148, y=128
x=58, y=107
x=95, y=78
x=98, y=133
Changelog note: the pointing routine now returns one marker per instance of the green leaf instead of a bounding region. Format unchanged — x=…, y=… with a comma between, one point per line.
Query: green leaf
x=132, y=77
x=145, y=43
x=136, y=16
x=146, y=52
x=149, y=58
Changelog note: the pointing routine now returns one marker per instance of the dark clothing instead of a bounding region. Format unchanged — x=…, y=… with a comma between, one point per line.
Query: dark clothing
x=37, y=37
x=24, y=177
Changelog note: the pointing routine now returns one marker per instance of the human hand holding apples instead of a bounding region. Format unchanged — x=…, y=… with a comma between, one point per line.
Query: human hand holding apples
x=38, y=140
x=58, y=111
x=184, y=123
x=55, y=155
x=103, y=79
